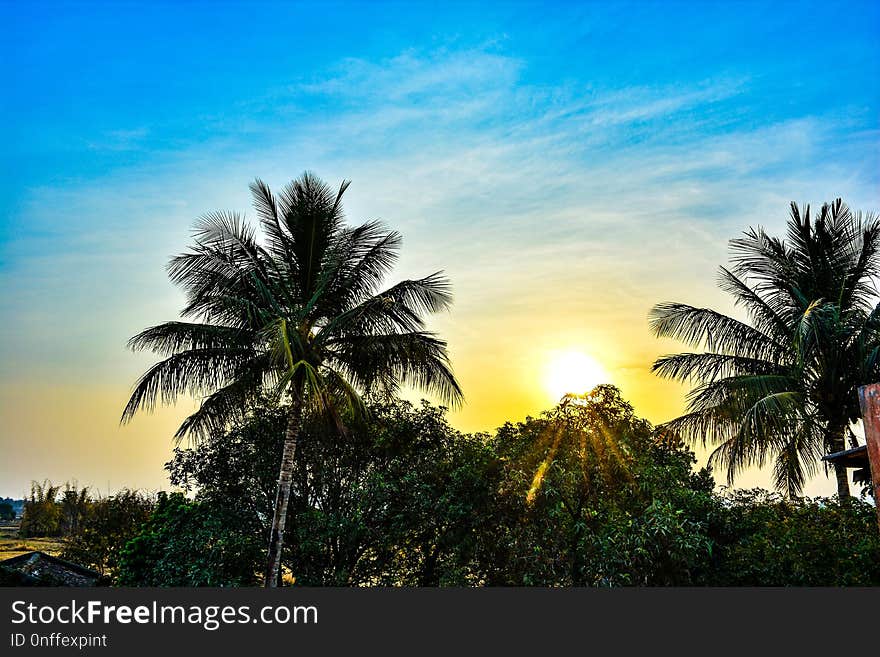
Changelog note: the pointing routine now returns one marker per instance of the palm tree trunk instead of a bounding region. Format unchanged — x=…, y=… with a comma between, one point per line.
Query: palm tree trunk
x=842, y=483
x=837, y=443
x=428, y=575
x=282, y=498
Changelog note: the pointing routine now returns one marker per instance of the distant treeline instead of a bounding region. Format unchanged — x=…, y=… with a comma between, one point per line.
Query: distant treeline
x=587, y=494
x=94, y=529
x=10, y=509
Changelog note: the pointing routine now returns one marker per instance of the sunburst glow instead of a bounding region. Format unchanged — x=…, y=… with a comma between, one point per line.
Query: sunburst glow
x=572, y=371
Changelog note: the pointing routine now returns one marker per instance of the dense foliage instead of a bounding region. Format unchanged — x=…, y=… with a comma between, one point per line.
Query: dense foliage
x=103, y=529
x=191, y=543
x=585, y=494
x=593, y=495
x=41, y=515
x=393, y=501
x=763, y=539
x=7, y=511
x=93, y=529
x=297, y=355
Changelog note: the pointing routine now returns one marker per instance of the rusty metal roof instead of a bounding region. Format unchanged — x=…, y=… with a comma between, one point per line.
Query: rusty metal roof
x=857, y=457
x=39, y=565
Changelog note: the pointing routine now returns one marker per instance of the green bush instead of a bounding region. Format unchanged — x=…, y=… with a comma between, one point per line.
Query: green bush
x=103, y=528
x=191, y=543
x=763, y=539
x=591, y=494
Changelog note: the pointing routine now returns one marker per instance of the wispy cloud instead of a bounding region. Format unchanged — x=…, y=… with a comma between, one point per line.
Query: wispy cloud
x=121, y=140
x=414, y=76
x=562, y=209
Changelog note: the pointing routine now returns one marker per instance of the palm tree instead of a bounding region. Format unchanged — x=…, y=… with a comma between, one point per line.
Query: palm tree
x=297, y=314
x=784, y=384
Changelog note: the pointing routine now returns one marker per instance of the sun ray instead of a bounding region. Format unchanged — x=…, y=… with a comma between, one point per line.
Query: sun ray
x=542, y=469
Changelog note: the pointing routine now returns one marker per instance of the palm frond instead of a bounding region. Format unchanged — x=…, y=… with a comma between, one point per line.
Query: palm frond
x=717, y=332
x=396, y=310
x=763, y=316
x=313, y=218
x=223, y=406
x=706, y=367
x=355, y=269
x=388, y=361
x=194, y=372
x=173, y=337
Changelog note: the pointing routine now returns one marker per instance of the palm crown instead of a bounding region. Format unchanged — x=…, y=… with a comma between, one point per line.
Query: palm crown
x=301, y=308
x=299, y=313
x=784, y=385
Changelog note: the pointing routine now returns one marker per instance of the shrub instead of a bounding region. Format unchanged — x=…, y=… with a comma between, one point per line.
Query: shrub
x=42, y=513
x=105, y=526
x=767, y=540
x=192, y=543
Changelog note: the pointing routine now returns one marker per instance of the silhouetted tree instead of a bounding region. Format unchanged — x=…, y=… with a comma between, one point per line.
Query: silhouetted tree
x=784, y=385
x=74, y=508
x=592, y=495
x=397, y=502
x=7, y=511
x=299, y=314
x=105, y=527
x=41, y=515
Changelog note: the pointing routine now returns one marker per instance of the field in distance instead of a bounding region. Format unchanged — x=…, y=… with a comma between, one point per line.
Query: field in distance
x=12, y=546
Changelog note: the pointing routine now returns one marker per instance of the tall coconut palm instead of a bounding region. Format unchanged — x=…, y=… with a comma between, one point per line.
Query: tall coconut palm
x=783, y=385
x=297, y=313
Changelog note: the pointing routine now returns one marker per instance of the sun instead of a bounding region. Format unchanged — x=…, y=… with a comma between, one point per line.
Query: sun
x=573, y=372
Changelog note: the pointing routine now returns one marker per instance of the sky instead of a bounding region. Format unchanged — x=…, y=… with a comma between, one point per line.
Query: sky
x=568, y=165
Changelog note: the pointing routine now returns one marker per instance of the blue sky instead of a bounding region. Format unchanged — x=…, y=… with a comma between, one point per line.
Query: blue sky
x=568, y=164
